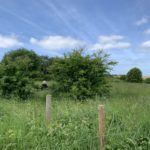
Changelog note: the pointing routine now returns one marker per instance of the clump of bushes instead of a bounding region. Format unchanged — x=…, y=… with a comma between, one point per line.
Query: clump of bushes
x=134, y=75
x=16, y=86
x=18, y=72
x=81, y=75
x=78, y=74
x=147, y=80
x=123, y=77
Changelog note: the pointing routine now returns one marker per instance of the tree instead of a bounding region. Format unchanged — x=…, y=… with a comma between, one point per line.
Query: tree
x=134, y=75
x=25, y=61
x=45, y=62
x=81, y=75
x=19, y=67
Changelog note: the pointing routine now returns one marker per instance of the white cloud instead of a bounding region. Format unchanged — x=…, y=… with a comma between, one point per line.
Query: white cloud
x=9, y=41
x=57, y=42
x=111, y=42
x=146, y=44
x=147, y=31
x=142, y=21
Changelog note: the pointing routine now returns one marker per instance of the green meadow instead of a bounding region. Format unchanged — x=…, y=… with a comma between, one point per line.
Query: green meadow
x=74, y=124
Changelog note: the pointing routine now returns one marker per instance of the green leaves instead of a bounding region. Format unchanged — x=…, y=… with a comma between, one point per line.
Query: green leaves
x=19, y=67
x=17, y=86
x=81, y=75
x=134, y=75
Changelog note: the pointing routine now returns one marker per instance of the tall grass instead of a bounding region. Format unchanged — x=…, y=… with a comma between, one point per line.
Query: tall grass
x=74, y=124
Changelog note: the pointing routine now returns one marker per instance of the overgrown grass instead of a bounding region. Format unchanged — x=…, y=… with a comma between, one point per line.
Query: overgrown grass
x=74, y=124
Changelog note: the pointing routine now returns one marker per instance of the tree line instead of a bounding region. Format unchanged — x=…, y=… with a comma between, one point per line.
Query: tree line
x=77, y=73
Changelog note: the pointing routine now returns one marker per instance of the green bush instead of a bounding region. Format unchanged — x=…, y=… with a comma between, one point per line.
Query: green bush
x=134, y=75
x=19, y=69
x=147, y=80
x=26, y=61
x=80, y=75
x=16, y=86
x=45, y=62
x=123, y=77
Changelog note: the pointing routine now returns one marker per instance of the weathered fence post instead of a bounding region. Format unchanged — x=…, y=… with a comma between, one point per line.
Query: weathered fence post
x=102, y=127
x=48, y=109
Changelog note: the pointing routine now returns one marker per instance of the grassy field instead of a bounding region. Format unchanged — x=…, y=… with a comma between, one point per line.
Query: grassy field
x=74, y=124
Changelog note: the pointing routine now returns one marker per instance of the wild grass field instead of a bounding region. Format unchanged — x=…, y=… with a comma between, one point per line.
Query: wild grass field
x=74, y=124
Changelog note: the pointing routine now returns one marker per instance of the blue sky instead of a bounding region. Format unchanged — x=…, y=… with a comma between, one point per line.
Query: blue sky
x=53, y=27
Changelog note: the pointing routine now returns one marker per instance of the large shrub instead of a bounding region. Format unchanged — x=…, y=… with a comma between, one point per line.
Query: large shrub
x=81, y=75
x=26, y=61
x=147, y=80
x=134, y=75
x=17, y=86
x=19, y=69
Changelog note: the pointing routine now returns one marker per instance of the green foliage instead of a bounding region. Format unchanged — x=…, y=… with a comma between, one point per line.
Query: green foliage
x=25, y=61
x=123, y=77
x=45, y=62
x=82, y=76
x=147, y=80
x=17, y=86
x=19, y=67
x=134, y=75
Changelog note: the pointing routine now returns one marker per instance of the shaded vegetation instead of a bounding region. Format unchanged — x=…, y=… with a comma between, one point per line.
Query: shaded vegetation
x=147, y=80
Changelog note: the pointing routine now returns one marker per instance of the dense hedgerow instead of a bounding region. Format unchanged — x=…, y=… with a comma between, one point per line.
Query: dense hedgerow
x=16, y=86
x=18, y=69
x=81, y=75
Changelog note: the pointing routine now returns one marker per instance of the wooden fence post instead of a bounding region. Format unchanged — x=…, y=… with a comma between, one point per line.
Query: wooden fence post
x=48, y=109
x=102, y=127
